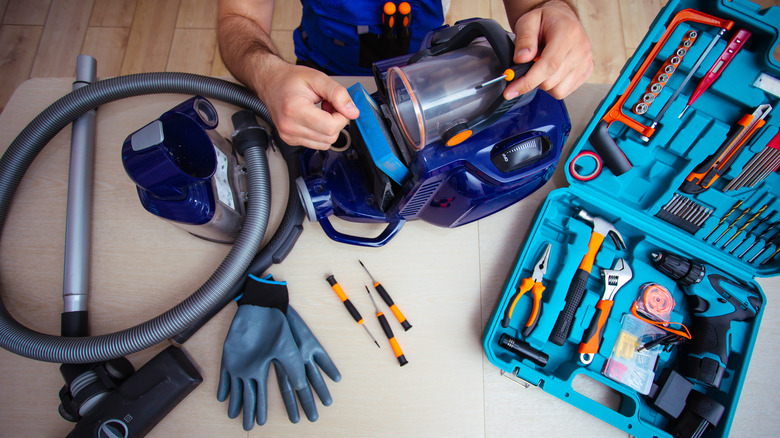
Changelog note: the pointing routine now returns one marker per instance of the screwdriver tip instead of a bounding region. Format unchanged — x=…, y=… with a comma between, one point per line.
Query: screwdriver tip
x=683, y=111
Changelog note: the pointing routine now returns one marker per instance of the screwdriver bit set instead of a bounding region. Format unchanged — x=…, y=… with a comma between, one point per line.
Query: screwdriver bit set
x=688, y=138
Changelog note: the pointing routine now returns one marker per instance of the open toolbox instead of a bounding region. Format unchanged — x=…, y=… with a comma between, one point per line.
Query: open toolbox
x=671, y=214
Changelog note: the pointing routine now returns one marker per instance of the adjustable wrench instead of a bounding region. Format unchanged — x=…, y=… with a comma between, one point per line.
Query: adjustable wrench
x=614, y=279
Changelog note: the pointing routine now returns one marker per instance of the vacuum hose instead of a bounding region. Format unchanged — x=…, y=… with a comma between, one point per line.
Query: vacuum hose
x=211, y=295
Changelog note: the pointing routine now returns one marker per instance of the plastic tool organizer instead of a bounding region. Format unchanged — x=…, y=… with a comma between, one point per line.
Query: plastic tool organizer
x=665, y=187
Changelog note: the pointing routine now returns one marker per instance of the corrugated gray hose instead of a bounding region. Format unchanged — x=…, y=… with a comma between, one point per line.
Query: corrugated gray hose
x=21, y=340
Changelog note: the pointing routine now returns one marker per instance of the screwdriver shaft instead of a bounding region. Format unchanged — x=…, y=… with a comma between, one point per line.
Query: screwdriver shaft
x=350, y=307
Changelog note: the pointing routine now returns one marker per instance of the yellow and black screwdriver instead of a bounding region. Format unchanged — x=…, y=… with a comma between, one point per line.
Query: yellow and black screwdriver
x=399, y=354
x=348, y=304
x=389, y=301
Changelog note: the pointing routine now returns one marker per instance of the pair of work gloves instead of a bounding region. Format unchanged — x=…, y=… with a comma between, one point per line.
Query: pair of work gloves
x=266, y=329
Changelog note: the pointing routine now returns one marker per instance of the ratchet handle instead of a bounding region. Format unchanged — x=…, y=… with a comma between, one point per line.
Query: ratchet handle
x=590, y=343
x=574, y=296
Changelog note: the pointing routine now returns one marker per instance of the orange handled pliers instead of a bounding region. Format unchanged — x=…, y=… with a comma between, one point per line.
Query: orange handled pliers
x=533, y=284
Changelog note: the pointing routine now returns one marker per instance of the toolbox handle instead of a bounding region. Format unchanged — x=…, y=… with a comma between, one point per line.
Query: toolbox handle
x=387, y=234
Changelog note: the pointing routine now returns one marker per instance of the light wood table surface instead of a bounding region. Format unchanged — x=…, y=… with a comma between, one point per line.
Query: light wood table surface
x=446, y=281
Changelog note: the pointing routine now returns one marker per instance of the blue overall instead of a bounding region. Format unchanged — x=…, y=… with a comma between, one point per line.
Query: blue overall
x=330, y=31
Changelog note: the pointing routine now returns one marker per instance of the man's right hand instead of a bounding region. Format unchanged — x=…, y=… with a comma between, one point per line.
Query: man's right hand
x=292, y=94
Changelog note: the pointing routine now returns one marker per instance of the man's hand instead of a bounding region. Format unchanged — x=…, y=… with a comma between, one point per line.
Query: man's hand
x=552, y=32
x=292, y=94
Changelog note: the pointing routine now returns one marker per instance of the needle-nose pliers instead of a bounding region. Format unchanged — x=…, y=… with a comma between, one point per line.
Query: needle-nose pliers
x=535, y=286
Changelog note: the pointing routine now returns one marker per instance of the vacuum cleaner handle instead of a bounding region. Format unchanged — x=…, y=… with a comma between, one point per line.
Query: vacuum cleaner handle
x=384, y=237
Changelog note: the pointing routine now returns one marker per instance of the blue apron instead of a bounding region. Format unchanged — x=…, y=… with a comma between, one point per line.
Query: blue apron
x=343, y=36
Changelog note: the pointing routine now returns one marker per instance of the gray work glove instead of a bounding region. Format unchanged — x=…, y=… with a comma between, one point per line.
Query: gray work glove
x=313, y=356
x=258, y=335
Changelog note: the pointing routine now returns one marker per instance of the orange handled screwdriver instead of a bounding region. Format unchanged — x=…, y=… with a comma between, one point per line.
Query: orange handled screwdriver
x=614, y=279
x=389, y=301
x=404, y=20
x=388, y=20
x=348, y=304
x=399, y=354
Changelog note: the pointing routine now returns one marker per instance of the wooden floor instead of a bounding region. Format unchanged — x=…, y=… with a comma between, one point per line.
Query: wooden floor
x=41, y=38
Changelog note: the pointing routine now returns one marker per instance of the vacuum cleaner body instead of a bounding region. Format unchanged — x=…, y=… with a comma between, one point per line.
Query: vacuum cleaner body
x=382, y=171
x=188, y=174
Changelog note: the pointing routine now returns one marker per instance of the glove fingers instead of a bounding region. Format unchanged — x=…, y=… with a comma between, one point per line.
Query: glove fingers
x=307, y=403
x=326, y=363
x=288, y=395
x=250, y=399
x=223, y=389
x=236, y=397
x=262, y=402
x=318, y=383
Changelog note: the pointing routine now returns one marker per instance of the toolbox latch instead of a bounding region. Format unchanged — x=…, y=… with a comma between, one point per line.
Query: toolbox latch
x=515, y=378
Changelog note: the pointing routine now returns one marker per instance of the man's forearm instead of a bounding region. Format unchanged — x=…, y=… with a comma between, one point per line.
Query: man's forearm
x=245, y=47
x=517, y=8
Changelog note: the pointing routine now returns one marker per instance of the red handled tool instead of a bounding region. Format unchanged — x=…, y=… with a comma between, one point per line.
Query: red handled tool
x=734, y=46
x=702, y=177
x=614, y=279
x=535, y=286
x=348, y=304
x=389, y=301
x=399, y=354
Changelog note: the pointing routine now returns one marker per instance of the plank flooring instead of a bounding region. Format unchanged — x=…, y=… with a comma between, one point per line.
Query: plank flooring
x=41, y=38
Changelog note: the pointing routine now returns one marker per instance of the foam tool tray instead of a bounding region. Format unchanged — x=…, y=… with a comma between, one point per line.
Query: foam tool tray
x=692, y=191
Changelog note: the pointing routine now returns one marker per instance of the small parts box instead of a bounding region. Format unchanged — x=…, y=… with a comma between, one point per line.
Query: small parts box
x=641, y=274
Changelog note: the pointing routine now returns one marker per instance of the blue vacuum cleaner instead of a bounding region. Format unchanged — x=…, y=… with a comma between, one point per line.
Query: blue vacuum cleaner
x=437, y=141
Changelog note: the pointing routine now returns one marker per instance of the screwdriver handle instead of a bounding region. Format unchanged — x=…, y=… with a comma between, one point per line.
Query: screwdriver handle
x=399, y=354
x=347, y=303
x=734, y=46
x=389, y=301
x=590, y=343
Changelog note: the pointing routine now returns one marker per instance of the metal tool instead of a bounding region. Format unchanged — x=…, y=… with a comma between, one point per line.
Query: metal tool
x=523, y=350
x=509, y=75
x=769, y=242
x=685, y=213
x=535, y=286
x=759, y=237
x=399, y=354
x=389, y=301
x=744, y=212
x=601, y=228
x=614, y=279
x=752, y=231
x=348, y=304
x=759, y=167
x=717, y=164
x=665, y=73
x=684, y=82
x=745, y=225
x=731, y=50
x=723, y=219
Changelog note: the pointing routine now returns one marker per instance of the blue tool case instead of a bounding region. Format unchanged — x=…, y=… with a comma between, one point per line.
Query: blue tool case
x=680, y=164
